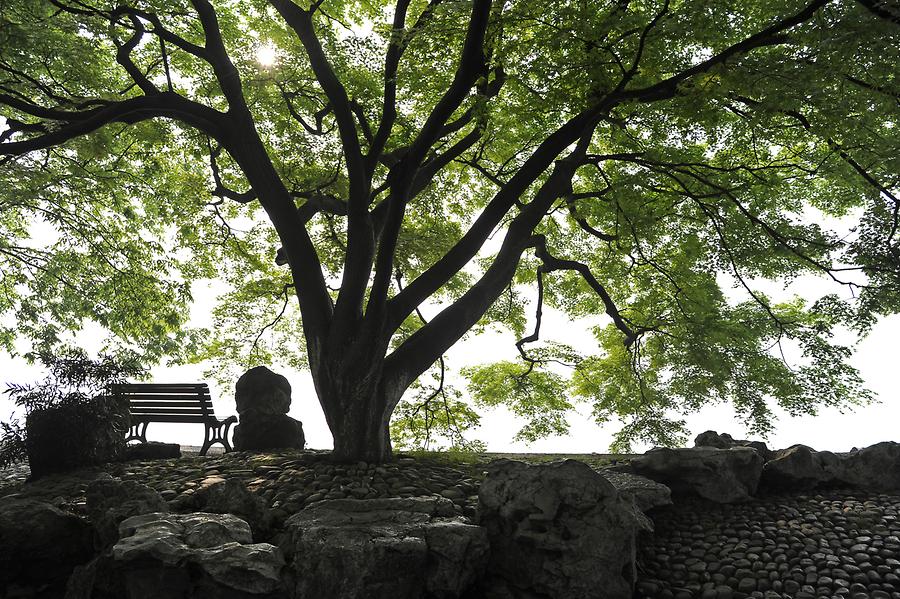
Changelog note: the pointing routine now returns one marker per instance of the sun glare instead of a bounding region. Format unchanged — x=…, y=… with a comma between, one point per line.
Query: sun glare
x=266, y=55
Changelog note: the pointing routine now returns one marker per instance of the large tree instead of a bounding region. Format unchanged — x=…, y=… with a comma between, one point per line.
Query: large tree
x=626, y=157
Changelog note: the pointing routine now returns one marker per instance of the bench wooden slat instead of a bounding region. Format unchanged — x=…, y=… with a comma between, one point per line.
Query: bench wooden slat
x=166, y=390
x=176, y=418
x=173, y=397
x=164, y=410
x=173, y=402
x=166, y=404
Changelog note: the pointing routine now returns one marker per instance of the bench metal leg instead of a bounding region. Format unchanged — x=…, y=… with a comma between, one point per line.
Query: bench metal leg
x=138, y=431
x=217, y=432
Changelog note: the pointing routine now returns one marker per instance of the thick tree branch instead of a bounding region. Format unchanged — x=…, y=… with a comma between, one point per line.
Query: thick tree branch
x=419, y=351
x=133, y=110
x=360, y=236
x=471, y=64
x=427, y=283
x=772, y=35
x=883, y=10
x=389, y=108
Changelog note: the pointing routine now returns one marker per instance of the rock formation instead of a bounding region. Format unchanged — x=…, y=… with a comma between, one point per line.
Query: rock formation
x=232, y=497
x=39, y=546
x=725, y=441
x=647, y=494
x=398, y=548
x=557, y=530
x=721, y=475
x=263, y=399
x=109, y=501
x=174, y=556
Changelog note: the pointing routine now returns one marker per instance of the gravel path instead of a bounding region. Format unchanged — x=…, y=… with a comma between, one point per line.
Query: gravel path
x=836, y=544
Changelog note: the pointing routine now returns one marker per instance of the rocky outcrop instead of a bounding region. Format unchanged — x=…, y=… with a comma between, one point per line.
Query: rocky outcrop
x=232, y=497
x=647, y=494
x=39, y=546
x=720, y=475
x=558, y=530
x=874, y=468
x=798, y=467
x=109, y=501
x=169, y=556
x=263, y=399
x=405, y=548
x=725, y=441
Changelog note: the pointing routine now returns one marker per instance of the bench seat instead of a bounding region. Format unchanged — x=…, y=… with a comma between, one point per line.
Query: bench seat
x=173, y=402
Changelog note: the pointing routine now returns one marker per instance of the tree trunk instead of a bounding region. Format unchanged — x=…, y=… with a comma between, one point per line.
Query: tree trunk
x=359, y=425
x=362, y=436
x=357, y=403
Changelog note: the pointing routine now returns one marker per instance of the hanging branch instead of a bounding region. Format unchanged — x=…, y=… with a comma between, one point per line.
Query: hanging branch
x=254, y=348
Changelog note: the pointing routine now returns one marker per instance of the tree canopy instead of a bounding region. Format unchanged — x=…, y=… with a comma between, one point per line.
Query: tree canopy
x=627, y=158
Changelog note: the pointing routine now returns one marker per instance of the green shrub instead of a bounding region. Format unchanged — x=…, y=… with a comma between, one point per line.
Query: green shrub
x=71, y=420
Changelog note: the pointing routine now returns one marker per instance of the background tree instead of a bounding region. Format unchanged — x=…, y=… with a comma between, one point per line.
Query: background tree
x=625, y=157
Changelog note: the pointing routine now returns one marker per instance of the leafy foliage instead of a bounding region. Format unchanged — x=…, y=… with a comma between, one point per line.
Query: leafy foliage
x=651, y=164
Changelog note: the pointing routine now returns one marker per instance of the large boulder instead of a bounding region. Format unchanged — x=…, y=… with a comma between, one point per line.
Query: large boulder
x=720, y=475
x=153, y=451
x=69, y=436
x=232, y=497
x=109, y=501
x=263, y=399
x=726, y=441
x=383, y=549
x=557, y=530
x=798, y=467
x=873, y=468
x=647, y=494
x=262, y=391
x=39, y=546
x=169, y=556
x=258, y=432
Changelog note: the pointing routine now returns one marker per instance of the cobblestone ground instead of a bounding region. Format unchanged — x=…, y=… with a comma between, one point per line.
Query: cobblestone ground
x=286, y=480
x=832, y=544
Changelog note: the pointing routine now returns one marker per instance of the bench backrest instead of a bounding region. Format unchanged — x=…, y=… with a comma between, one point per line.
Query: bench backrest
x=167, y=402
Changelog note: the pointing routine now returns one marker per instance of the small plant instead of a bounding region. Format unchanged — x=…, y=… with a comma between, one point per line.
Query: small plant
x=71, y=419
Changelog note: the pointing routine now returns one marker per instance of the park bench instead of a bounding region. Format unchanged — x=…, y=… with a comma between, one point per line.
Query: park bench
x=168, y=402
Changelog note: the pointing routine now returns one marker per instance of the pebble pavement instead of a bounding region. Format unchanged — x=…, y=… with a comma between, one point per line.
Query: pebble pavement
x=836, y=544
x=287, y=480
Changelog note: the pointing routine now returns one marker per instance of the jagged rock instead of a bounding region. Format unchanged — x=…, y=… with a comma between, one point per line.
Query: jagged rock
x=720, y=475
x=797, y=467
x=232, y=497
x=263, y=399
x=268, y=431
x=169, y=556
x=725, y=441
x=153, y=451
x=647, y=494
x=109, y=501
x=39, y=545
x=874, y=468
x=262, y=391
x=383, y=548
x=558, y=530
